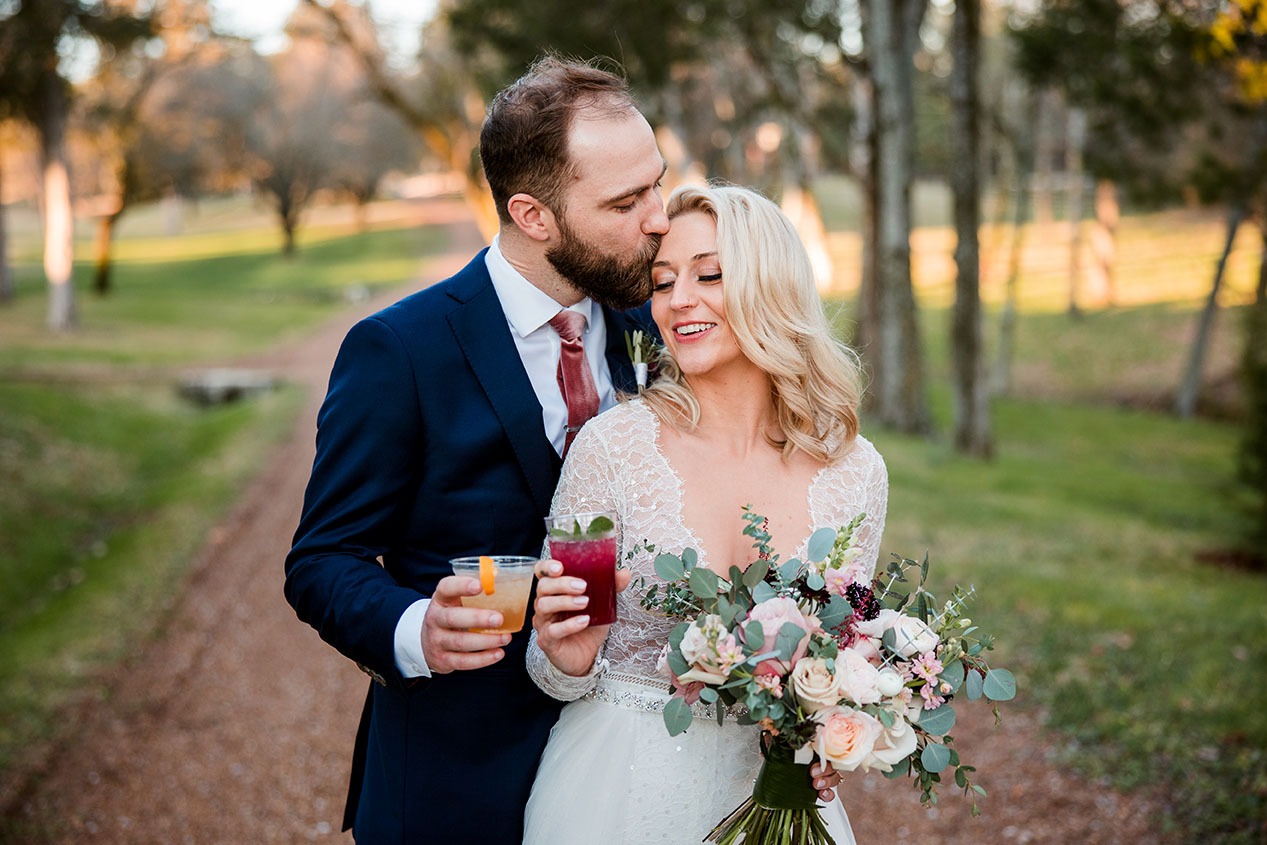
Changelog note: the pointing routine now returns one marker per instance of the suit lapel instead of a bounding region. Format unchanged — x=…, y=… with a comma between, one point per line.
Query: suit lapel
x=479, y=325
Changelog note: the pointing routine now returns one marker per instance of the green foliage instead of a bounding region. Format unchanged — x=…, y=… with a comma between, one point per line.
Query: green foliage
x=1253, y=450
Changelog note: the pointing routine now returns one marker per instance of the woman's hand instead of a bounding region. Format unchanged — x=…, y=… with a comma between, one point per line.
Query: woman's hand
x=569, y=643
x=826, y=779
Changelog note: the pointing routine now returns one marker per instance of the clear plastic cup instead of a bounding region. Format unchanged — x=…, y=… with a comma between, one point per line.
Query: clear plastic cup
x=587, y=544
x=512, y=582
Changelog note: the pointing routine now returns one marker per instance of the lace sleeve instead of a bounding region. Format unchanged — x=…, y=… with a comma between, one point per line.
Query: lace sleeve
x=588, y=483
x=877, y=503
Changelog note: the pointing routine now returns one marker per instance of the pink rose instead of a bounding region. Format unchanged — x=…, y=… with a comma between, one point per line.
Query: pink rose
x=773, y=614
x=845, y=737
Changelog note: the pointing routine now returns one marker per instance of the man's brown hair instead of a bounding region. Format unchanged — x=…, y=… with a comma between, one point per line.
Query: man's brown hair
x=524, y=141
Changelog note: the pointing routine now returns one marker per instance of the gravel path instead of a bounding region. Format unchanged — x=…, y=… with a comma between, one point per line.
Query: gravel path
x=236, y=724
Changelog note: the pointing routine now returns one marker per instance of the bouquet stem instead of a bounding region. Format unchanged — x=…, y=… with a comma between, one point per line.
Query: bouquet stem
x=783, y=809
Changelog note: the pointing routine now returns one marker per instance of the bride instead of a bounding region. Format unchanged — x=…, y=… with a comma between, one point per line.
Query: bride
x=755, y=404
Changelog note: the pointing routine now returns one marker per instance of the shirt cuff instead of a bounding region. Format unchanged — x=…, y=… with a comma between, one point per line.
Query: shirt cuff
x=410, y=661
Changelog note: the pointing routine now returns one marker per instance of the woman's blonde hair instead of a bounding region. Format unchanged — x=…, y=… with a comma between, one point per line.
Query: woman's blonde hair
x=774, y=311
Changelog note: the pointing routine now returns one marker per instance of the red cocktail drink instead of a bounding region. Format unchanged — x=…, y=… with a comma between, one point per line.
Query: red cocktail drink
x=587, y=545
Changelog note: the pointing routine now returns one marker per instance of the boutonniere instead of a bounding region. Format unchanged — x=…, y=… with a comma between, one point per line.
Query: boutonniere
x=644, y=354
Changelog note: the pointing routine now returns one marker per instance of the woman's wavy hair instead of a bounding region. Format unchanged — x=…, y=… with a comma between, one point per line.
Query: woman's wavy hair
x=777, y=318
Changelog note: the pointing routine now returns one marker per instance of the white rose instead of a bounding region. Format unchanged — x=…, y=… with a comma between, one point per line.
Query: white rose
x=694, y=644
x=890, y=683
x=892, y=746
x=858, y=679
x=911, y=635
x=814, y=684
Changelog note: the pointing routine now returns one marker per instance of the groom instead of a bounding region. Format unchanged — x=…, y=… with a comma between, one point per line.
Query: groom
x=442, y=435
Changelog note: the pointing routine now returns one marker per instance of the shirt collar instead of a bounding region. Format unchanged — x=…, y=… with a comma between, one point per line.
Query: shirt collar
x=526, y=306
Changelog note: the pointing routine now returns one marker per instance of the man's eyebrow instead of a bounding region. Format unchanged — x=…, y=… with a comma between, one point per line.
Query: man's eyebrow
x=633, y=192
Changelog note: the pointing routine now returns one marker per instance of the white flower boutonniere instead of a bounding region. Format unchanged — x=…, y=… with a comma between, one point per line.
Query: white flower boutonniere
x=643, y=353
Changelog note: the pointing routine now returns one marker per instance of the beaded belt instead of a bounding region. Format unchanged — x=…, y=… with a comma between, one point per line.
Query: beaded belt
x=646, y=694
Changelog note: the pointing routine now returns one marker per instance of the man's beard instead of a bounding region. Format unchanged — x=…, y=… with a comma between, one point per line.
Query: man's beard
x=615, y=281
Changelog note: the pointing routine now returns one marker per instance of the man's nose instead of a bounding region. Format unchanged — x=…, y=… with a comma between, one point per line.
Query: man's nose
x=657, y=222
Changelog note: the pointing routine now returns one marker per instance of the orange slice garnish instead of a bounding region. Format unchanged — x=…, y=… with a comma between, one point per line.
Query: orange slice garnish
x=488, y=574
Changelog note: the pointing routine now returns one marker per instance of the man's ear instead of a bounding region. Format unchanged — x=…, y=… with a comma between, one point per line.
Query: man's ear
x=532, y=217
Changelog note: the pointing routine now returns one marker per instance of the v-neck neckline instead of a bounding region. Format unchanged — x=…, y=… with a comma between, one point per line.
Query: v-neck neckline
x=802, y=548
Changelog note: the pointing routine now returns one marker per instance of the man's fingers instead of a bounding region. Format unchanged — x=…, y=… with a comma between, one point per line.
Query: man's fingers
x=475, y=660
x=453, y=641
x=458, y=618
x=451, y=588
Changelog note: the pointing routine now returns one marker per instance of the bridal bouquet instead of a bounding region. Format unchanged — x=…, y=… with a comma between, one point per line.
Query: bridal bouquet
x=831, y=664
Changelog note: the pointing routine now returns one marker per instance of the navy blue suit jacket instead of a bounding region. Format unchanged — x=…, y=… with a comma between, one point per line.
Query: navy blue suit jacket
x=430, y=445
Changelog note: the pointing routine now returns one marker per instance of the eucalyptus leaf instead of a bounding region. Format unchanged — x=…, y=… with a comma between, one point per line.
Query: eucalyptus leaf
x=754, y=635
x=736, y=575
x=972, y=685
x=761, y=657
x=708, y=694
x=834, y=612
x=935, y=757
x=755, y=573
x=763, y=592
x=999, y=685
x=669, y=567
x=790, y=636
x=677, y=716
x=889, y=640
x=690, y=557
x=815, y=581
x=776, y=710
x=820, y=543
x=961, y=778
x=703, y=582
x=790, y=570
x=898, y=771
x=953, y=674
x=726, y=610
x=938, y=722
x=676, y=635
x=886, y=717
x=678, y=664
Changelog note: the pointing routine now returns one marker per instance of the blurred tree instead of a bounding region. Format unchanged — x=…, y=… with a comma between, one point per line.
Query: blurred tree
x=6, y=278
x=370, y=142
x=896, y=354
x=443, y=105
x=1019, y=134
x=33, y=36
x=136, y=144
x=971, y=392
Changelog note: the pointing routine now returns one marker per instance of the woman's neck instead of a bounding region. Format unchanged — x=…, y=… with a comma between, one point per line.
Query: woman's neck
x=736, y=413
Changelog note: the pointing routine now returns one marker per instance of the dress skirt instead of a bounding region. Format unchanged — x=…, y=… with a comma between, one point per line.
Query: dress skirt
x=611, y=774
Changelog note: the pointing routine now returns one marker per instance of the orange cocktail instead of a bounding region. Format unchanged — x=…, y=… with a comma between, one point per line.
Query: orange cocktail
x=505, y=582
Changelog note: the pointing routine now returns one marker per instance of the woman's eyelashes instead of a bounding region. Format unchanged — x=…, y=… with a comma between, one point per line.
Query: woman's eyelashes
x=710, y=277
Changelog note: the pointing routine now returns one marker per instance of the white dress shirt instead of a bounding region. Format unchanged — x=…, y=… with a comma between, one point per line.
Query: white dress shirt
x=528, y=312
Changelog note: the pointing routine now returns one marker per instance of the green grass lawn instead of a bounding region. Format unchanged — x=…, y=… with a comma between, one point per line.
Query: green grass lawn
x=1082, y=539
x=109, y=485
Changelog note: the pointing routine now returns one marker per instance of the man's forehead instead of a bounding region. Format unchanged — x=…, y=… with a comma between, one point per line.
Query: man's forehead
x=613, y=148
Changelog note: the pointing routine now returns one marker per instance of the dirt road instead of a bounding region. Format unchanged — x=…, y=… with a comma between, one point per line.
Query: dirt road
x=236, y=724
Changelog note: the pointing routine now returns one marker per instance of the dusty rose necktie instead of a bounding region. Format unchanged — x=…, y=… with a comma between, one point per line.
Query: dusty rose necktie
x=575, y=380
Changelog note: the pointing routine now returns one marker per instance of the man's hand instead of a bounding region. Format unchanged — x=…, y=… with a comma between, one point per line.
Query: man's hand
x=570, y=643
x=447, y=643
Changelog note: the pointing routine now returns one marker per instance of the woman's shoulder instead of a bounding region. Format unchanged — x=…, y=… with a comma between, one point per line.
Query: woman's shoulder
x=862, y=457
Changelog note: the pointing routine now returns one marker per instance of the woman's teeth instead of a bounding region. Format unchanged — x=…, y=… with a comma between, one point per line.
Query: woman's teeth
x=695, y=328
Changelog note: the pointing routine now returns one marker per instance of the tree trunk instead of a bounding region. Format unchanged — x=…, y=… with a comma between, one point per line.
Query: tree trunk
x=863, y=160
x=1023, y=164
x=288, y=236
x=6, y=277
x=1186, y=401
x=1077, y=127
x=105, y=243
x=1253, y=457
x=900, y=399
x=58, y=218
x=1048, y=105
x=1104, y=242
x=971, y=399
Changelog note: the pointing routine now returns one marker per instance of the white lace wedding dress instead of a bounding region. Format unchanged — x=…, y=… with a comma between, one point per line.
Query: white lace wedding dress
x=611, y=774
